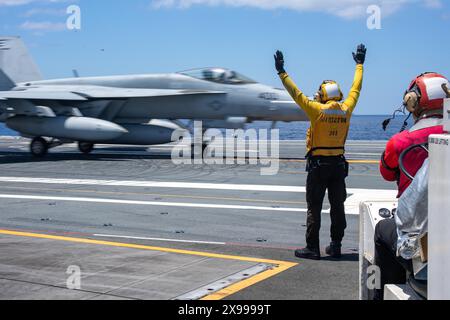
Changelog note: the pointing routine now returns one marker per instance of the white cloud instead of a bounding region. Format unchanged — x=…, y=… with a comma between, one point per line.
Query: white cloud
x=44, y=11
x=14, y=2
x=341, y=8
x=39, y=7
x=435, y=4
x=43, y=26
x=23, y=2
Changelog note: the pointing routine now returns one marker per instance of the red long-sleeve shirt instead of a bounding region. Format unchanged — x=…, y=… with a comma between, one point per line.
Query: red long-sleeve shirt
x=389, y=166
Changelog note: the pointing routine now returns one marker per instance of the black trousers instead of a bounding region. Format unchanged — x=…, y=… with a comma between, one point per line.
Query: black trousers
x=393, y=269
x=326, y=173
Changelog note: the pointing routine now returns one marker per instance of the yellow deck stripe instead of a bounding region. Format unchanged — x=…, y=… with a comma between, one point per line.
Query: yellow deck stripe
x=303, y=161
x=349, y=161
x=219, y=295
x=279, y=266
x=364, y=161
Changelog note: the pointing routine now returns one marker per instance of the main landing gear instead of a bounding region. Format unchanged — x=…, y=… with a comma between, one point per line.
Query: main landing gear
x=85, y=147
x=39, y=146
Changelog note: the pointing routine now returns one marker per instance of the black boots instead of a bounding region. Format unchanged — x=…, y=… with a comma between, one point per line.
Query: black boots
x=308, y=253
x=334, y=250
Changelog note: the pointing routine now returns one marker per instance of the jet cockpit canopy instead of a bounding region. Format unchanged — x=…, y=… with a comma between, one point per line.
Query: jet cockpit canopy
x=218, y=75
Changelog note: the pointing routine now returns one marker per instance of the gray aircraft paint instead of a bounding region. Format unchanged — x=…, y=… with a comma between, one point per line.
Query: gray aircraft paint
x=131, y=100
x=230, y=101
x=16, y=62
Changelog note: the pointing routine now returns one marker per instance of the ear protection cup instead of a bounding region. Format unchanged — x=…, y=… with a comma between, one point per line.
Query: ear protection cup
x=329, y=90
x=411, y=101
x=317, y=97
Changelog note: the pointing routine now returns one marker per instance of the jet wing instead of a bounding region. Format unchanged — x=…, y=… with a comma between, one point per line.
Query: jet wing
x=40, y=95
x=107, y=93
x=25, y=100
x=85, y=93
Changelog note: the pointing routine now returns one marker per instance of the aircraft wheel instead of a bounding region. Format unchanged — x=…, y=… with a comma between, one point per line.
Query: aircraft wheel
x=39, y=147
x=85, y=147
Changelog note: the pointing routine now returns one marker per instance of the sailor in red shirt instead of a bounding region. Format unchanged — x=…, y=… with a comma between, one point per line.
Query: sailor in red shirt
x=424, y=99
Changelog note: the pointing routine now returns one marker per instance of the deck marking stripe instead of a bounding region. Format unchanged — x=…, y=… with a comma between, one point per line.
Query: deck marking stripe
x=351, y=205
x=356, y=161
x=173, y=184
x=150, y=203
x=377, y=162
x=142, y=247
x=364, y=154
x=155, y=184
x=154, y=195
x=158, y=239
x=234, y=288
x=279, y=266
x=128, y=153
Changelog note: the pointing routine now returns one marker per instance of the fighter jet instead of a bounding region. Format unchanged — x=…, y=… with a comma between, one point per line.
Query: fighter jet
x=130, y=109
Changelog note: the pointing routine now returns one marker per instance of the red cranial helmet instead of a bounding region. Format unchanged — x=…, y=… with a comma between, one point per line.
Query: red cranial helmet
x=426, y=93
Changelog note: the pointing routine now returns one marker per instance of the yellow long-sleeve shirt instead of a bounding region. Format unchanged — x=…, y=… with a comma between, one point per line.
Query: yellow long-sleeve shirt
x=330, y=122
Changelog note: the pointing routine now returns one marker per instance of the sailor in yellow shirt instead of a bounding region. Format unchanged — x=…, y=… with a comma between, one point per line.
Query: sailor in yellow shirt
x=327, y=167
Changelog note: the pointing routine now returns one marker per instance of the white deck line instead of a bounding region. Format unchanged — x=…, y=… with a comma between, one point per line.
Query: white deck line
x=179, y=185
x=148, y=203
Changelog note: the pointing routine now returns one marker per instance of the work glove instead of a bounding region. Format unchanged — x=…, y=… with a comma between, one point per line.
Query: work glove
x=279, y=62
x=360, y=55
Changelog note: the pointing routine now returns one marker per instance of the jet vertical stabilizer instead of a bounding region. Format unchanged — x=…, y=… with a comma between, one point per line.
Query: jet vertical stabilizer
x=16, y=62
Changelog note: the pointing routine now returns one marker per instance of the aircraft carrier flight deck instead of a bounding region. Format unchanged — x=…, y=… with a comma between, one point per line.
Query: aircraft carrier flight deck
x=136, y=226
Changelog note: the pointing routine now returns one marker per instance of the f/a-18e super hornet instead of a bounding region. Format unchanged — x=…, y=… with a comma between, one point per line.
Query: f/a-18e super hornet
x=131, y=109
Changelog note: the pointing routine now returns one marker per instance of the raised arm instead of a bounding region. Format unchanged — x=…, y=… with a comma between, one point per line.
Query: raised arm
x=353, y=97
x=312, y=108
x=355, y=91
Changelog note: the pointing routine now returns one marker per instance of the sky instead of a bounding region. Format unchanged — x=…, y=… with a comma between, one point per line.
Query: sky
x=316, y=36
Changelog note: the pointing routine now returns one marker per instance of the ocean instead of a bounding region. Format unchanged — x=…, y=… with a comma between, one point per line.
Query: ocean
x=362, y=128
